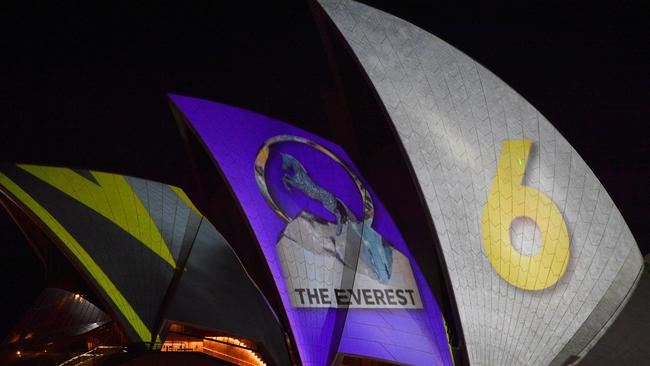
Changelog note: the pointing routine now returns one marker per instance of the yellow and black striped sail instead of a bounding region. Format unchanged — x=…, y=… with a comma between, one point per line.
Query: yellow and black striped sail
x=126, y=233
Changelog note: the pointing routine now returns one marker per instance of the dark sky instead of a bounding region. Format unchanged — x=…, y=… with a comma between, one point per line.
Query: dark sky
x=84, y=84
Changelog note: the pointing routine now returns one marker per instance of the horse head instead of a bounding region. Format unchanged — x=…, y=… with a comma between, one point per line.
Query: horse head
x=288, y=161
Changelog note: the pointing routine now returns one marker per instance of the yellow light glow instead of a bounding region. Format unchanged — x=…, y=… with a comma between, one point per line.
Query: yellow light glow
x=225, y=348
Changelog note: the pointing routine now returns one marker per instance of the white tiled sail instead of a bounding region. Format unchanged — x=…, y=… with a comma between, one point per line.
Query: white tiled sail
x=452, y=116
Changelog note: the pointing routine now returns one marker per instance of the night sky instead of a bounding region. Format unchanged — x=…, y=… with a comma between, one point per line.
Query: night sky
x=84, y=85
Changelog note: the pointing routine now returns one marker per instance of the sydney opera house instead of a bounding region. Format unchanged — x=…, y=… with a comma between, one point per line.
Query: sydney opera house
x=484, y=238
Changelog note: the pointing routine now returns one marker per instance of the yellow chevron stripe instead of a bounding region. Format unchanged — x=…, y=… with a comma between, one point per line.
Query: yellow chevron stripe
x=185, y=199
x=82, y=256
x=113, y=198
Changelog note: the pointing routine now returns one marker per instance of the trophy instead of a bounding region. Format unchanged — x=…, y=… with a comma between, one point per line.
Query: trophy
x=340, y=263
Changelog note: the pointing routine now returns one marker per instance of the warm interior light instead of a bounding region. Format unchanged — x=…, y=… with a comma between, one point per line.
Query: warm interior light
x=237, y=351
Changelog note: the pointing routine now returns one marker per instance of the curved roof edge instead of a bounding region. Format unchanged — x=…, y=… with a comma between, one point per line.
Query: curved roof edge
x=454, y=119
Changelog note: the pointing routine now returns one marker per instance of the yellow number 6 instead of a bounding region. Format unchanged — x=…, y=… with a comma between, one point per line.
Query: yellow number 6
x=507, y=200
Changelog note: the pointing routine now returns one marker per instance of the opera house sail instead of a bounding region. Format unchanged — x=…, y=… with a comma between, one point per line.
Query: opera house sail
x=539, y=257
x=473, y=233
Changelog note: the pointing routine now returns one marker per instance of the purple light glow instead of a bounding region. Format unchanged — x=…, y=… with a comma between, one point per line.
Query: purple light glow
x=233, y=137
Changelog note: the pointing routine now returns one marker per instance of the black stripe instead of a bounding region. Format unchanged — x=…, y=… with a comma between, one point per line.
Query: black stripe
x=141, y=275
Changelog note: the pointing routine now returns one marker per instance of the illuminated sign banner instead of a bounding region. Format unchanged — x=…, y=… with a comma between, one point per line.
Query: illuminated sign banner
x=347, y=279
